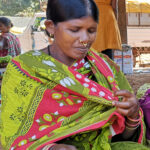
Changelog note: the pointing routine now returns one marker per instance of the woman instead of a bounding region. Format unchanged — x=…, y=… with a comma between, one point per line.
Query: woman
x=12, y=41
x=66, y=96
x=9, y=44
x=144, y=98
x=4, y=58
x=108, y=34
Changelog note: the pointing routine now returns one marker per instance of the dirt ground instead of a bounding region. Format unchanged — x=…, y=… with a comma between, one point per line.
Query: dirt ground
x=141, y=74
x=136, y=80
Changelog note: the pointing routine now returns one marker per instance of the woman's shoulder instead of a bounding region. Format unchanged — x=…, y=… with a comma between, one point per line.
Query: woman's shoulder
x=30, y=53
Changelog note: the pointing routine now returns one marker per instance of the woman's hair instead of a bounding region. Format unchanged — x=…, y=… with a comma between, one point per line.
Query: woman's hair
x=7, y=22
x=63, y=10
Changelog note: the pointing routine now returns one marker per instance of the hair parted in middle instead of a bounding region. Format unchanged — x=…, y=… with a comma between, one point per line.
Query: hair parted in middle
x=63, y=10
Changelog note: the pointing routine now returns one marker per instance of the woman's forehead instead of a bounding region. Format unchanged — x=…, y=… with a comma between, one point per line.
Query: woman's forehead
x=88, y=20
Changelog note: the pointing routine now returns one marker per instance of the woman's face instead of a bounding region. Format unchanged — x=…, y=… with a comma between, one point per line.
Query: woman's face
x=69, y=37
x=3, y=28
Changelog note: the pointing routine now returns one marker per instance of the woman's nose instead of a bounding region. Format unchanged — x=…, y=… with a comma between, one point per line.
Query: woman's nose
x=84, y=37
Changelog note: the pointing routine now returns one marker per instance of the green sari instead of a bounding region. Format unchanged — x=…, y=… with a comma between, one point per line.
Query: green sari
x=45, y=101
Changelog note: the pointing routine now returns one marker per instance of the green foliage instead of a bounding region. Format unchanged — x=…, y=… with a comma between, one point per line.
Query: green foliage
x=19, y=7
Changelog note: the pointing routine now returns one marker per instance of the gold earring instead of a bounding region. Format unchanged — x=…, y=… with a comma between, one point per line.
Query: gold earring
x=51, y=38
x=51, y=35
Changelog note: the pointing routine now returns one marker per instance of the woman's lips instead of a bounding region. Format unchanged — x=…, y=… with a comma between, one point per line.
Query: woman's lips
x=82, y=49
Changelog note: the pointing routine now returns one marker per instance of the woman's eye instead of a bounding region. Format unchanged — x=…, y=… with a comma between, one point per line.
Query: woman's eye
x=74, y=30
x=91, y=30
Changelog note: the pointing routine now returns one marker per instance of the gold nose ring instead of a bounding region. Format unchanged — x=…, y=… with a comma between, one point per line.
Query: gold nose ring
x=84, y=44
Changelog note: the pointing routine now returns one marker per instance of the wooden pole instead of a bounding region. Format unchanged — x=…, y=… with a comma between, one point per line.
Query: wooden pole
x=122, y=22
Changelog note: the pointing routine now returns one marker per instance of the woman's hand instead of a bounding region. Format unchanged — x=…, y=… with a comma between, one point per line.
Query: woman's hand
x=129, y=106
x=63, y=147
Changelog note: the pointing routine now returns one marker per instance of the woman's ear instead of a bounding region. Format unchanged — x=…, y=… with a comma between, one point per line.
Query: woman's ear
x=49, y=26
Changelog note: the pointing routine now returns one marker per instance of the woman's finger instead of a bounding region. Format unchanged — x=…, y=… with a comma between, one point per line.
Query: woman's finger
x=131, y=111
x=123, y=93
x=123, y=112
x=123, y=105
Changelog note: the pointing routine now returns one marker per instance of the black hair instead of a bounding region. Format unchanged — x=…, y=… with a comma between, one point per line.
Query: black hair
x=63, y=10
x=7, y=22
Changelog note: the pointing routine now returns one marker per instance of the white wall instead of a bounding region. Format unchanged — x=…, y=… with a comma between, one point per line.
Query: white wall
x=138, y=19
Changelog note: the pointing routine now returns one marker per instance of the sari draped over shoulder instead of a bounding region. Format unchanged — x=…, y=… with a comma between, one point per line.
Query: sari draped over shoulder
x=44, y=101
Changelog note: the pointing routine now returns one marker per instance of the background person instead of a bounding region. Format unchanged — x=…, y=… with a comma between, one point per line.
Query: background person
x=13, y=43
x=108, y=34
x=66, y=97
x=9, y=44
x=143, y=94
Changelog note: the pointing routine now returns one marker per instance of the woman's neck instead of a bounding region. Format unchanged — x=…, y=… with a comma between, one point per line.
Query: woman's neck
x=60, y=56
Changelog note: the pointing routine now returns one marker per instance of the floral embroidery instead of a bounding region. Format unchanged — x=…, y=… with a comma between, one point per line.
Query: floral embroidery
x=18, y=114
x=56, y=96
x=23, y=88
x=47, y=117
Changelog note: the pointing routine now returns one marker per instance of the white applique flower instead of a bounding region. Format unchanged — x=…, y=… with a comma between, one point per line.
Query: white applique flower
x=33, y=137
x=109, y=97
x=71, y=80
x=36, y=53
x=79, y=101
x=12, y=148
x=93, y=61
x=101, y=93
x=86, y=85
x=38, y=121
x=78, y=76
x=75, y=65
x=82, y=61
x=67, y=82
x=49, y=63
x=95, y=85
x=93, y=89
x=53, y=70
x=56, y=113
x=62, y=83
x=62, y=119
x=86, y=80
x=86, y=65
x=43, y=128
x=61, y=104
